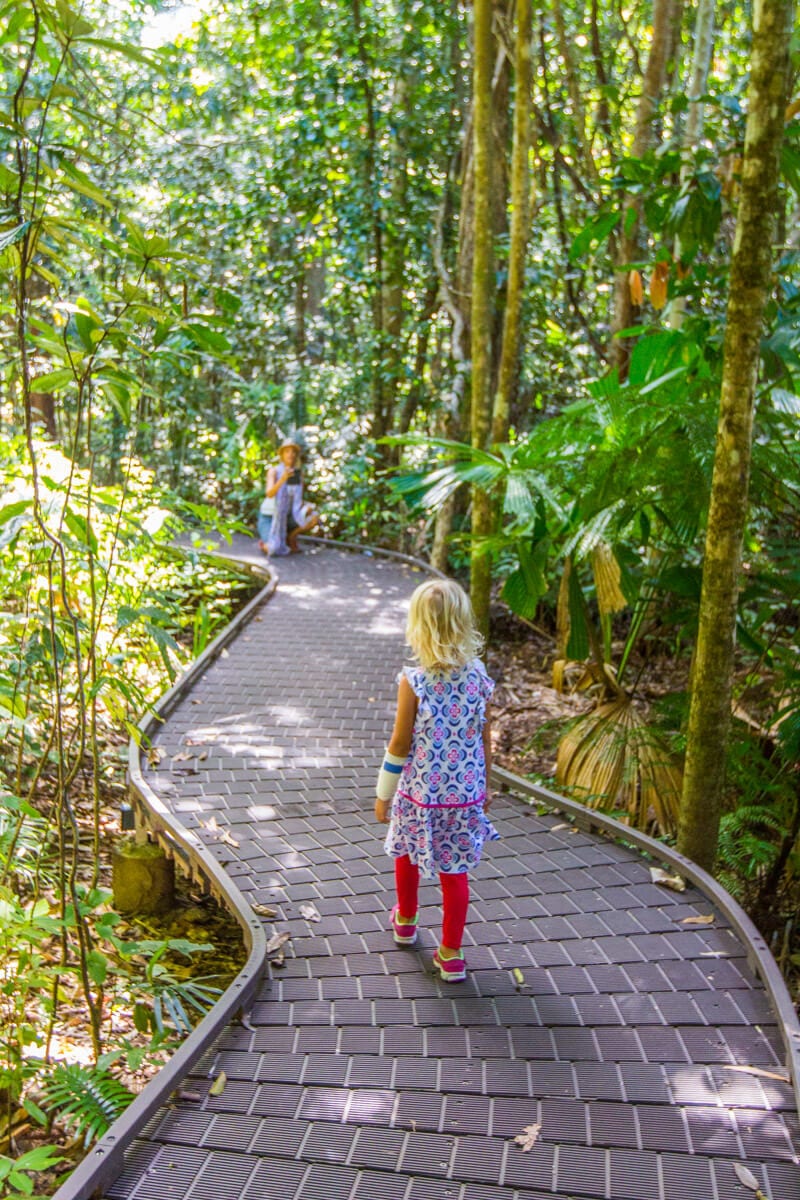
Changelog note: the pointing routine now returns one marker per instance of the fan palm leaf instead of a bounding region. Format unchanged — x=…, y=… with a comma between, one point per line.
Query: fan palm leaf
x=610, y=760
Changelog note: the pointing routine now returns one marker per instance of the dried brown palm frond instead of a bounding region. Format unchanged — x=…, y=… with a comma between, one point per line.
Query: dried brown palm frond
x=610, y=760
x=605, y=568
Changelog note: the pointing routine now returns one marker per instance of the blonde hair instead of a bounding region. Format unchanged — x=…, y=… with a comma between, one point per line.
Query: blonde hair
x=441, y=626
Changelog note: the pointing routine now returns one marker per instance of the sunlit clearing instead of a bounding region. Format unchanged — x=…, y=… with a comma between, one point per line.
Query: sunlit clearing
x=172, y=23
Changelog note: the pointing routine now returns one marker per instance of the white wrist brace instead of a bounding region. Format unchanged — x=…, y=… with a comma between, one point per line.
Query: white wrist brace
x=389, y=776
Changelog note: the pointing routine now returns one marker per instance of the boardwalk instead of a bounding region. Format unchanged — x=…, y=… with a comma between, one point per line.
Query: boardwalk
x=592, y=1009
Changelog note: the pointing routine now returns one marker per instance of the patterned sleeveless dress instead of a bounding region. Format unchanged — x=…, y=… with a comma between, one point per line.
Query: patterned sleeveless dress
x=437, y=814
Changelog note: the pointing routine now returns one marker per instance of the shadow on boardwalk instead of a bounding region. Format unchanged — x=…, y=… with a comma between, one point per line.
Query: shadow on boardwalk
x=592, y=1009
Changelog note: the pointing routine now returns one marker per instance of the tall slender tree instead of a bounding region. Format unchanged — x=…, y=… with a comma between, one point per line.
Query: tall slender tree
x=655, y=75
x=520, y=224
x=751, y=273
x=481, y=309
x=701, y=63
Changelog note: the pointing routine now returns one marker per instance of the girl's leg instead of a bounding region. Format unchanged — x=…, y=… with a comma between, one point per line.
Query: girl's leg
x=406, y=877
x=455, y=901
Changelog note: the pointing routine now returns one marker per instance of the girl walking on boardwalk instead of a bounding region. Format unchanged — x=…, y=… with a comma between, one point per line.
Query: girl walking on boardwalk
x=432, y=787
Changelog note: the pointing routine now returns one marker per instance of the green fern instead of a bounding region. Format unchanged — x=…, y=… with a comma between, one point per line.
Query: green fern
x=89, y=1099
x=748, y=840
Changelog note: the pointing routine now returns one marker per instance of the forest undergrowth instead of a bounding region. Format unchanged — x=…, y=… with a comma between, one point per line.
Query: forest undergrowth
x=530, y=716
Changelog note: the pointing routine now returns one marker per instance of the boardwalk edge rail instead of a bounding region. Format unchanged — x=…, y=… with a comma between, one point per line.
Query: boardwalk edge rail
x=104, y=1162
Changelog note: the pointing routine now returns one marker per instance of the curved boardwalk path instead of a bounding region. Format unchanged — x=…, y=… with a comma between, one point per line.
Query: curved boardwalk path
x=358, y=1076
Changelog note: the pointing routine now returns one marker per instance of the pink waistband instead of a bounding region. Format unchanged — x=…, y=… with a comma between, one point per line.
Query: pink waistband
x=465, y=804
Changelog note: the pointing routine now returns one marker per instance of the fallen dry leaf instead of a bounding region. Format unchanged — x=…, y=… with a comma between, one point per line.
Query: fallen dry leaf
x=218, y=1086
x=224, y=654
x=182, y=1095
x=277, y=940
x=747, y=1177
x=309, y=912
x=706, y=920
x=562, y=825
x=264, y=910
x=181, y=756
x=528, y=1138
x=781, y=1076
x=674, y=882
x=154, y=756
x=279, y=960
x=203, y=756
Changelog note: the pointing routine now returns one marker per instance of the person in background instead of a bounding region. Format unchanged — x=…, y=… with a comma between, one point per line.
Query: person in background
x=283, y=517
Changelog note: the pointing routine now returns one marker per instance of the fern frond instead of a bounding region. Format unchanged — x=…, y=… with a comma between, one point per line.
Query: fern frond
x=89, y=1099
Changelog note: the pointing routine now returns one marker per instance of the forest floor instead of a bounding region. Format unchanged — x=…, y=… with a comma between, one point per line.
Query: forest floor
x=529, y=715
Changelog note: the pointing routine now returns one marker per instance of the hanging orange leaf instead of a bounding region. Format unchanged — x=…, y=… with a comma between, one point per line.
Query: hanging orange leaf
x=658, y=285
x=792, y=109
x=637, y=290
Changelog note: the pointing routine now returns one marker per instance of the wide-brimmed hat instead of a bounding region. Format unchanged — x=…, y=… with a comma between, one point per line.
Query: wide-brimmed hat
x=290, y=443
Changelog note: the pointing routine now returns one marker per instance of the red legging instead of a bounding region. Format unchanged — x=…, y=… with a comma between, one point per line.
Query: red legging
x=455, y=899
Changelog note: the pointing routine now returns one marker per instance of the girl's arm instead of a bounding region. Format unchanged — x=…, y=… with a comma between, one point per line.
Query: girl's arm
x=400, y=741
x=487, y=755
x=272, y=487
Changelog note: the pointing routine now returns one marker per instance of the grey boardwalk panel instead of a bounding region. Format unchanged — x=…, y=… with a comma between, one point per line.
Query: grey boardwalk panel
x=591, y=1009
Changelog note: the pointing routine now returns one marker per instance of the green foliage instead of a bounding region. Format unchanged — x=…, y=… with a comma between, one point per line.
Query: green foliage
x=15, y=1173
x=88, y=1098
x=161, y=996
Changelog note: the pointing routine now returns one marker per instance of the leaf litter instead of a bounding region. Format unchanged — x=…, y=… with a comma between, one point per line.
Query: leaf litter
x=674, y=882
x=218, y=1086
x=528, y=1138
x=746, y=1176
x=277, y=941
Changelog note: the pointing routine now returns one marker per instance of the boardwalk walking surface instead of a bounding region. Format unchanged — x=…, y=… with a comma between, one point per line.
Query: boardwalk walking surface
x=591, y=1009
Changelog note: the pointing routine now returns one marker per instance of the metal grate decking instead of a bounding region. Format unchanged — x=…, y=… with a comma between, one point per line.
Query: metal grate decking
x=592, y=1009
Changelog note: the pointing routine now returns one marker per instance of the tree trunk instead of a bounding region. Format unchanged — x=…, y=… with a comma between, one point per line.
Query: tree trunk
x=701, y=62
x=520, y=219
x=751, y=269
x=627, y=243
x=482, y=290
x=373, y=190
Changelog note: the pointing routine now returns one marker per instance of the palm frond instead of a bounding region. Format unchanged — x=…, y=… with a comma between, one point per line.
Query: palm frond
x=610, y=760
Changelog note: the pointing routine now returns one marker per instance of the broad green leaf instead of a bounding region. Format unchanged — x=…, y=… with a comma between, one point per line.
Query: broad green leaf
x=517, y=596
x=38, y=1159
x=578, y=643
x=97, y=967
x=593, y=234
x=53, y=381
x=208, y=339
x=11, y=236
